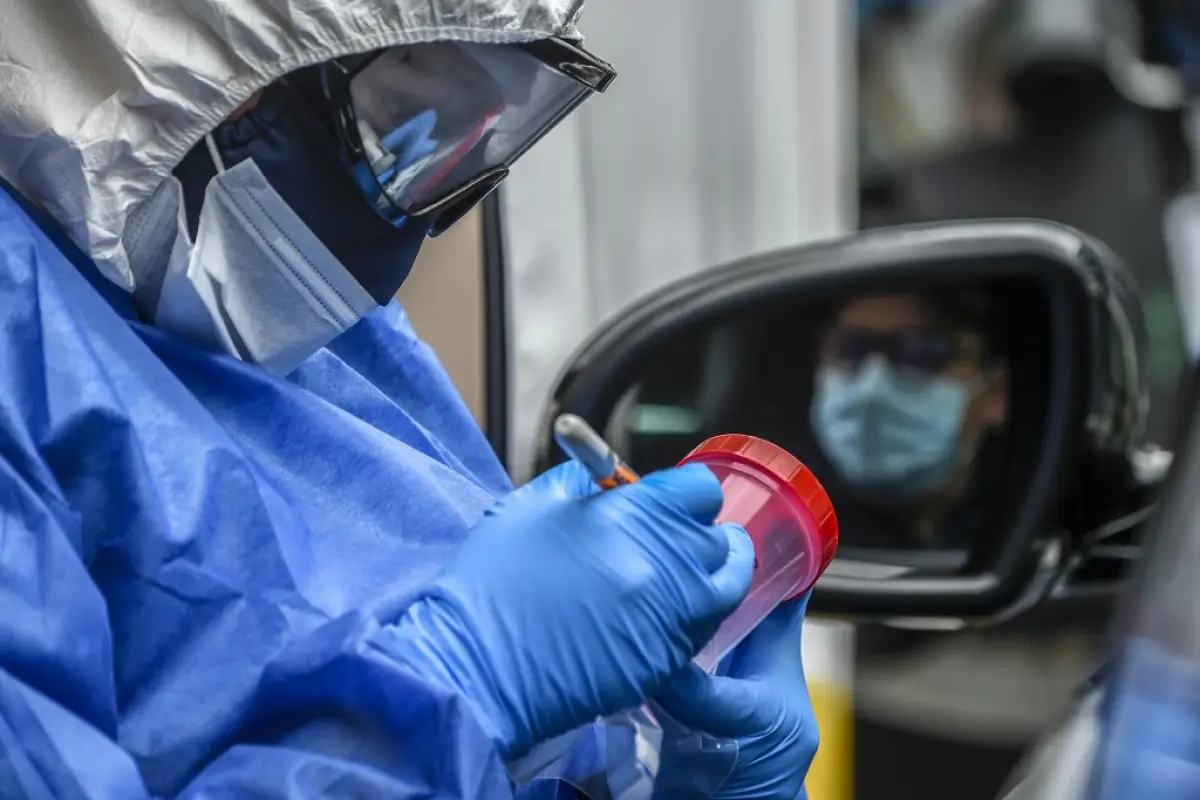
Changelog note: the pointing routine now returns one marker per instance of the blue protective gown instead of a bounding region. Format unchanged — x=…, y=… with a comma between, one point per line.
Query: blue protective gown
x=195, y=555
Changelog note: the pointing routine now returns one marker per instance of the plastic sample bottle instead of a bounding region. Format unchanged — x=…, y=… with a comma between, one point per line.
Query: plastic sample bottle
x=789, y=517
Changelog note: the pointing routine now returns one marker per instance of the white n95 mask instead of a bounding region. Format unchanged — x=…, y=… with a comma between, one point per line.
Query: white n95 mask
x=258, y=283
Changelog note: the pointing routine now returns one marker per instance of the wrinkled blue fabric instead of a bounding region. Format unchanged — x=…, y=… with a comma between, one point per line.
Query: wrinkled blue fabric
x=195, y=555
x=1152, y=726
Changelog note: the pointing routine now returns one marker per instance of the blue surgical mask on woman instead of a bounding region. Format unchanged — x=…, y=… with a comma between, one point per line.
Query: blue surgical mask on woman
x=886, y=431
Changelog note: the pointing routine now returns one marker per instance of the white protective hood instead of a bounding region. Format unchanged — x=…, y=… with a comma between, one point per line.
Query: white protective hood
x=101, y=99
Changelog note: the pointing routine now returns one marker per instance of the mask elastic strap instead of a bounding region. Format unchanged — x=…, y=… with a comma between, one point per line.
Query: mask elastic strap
x=214, y=152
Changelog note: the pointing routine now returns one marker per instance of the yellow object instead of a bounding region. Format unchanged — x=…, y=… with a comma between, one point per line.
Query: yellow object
x=829, y=669
x=832, y=773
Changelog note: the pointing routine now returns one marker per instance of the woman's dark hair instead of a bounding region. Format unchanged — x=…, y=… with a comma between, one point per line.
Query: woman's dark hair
x=978, y=310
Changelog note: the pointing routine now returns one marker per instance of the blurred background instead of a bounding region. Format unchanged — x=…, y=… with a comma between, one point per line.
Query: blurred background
x=980, y=108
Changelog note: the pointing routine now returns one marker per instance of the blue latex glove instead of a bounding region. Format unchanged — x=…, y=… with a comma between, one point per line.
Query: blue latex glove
x=761, y=702
x=560, y=608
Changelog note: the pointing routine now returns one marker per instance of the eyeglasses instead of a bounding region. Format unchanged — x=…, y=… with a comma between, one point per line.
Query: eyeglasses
x=429, y=130
x=917, y=351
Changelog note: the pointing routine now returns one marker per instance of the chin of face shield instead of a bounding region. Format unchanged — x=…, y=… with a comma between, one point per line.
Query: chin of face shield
x=429, y=130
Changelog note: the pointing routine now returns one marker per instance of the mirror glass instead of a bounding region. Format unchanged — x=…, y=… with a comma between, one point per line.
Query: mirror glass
x=918, y=409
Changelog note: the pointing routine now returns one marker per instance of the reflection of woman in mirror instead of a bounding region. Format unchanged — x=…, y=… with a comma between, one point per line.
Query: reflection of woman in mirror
x=908, y=389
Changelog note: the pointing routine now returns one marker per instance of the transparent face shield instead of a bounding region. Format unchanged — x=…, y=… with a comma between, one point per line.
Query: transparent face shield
x=428, y=130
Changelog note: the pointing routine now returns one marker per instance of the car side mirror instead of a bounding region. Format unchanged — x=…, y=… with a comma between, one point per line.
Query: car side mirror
x=969, y=394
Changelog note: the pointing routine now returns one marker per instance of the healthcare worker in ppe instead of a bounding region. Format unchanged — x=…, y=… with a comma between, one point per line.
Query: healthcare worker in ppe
x=251, y=542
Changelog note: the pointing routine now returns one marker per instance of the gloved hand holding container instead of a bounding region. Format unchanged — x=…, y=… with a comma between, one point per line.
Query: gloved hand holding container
x=768, y=492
